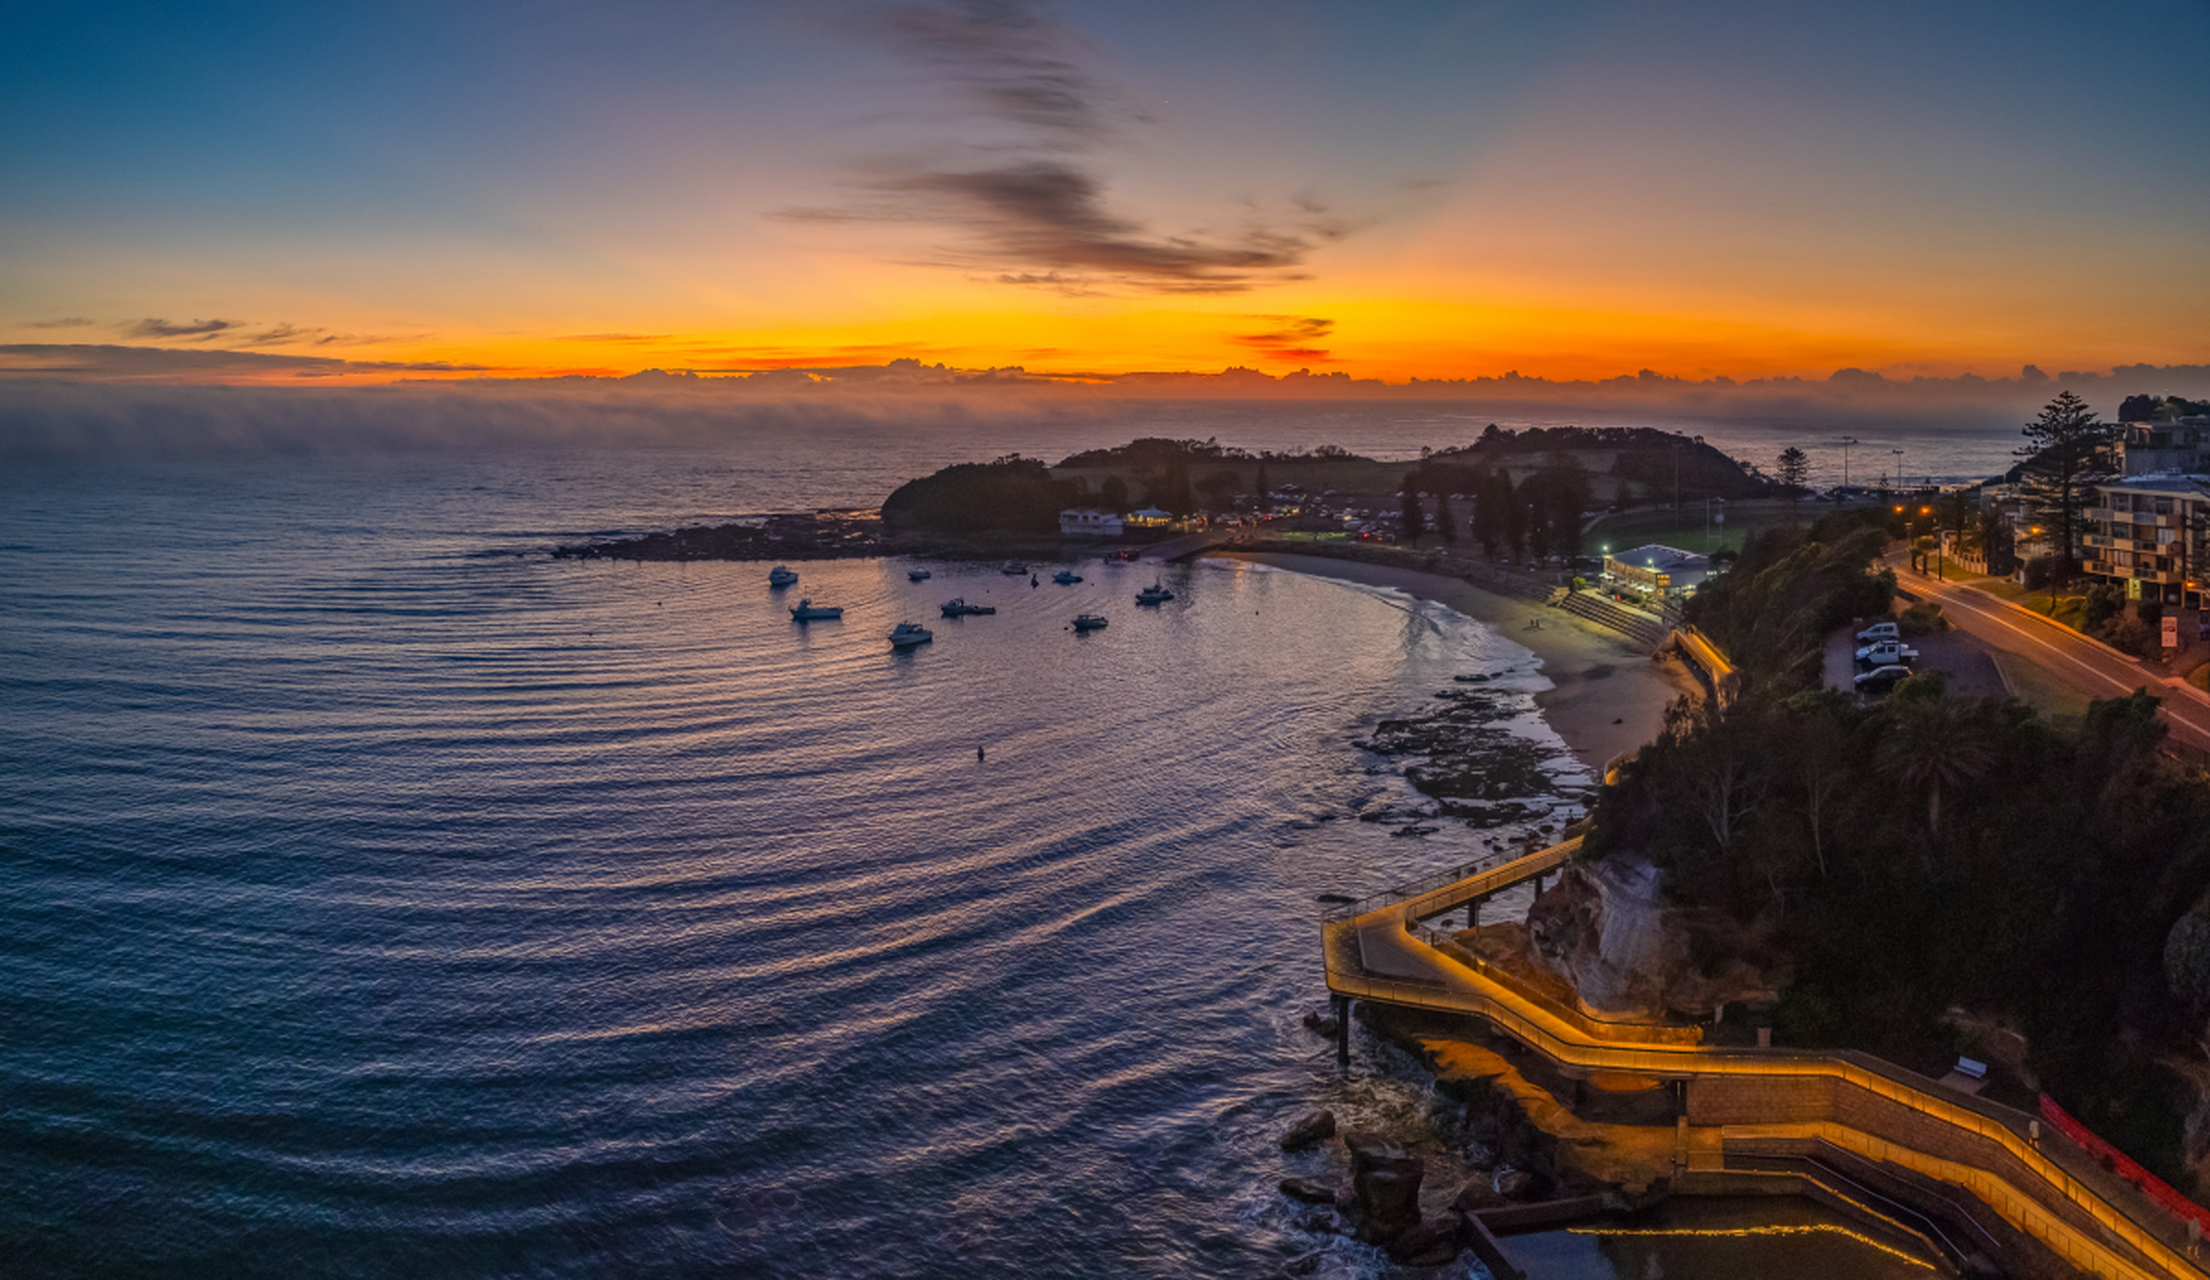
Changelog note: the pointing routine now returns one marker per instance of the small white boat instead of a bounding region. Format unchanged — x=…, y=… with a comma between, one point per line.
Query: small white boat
x=781, y=575
x=1012, y=568
x=957, y=607
x=918, y=575
x=908, y=634
x=808, y=611
x=1066, y=577
x=1089, y=622
x=1154, y=594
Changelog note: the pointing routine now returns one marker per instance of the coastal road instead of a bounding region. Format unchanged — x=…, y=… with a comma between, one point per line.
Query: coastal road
x=2094, y=669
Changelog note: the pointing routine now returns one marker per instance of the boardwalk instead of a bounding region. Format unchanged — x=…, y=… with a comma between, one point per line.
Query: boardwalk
x=1749, y=1103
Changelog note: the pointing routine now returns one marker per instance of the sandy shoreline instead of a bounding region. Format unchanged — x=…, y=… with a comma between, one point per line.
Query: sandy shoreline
x=1610, y=697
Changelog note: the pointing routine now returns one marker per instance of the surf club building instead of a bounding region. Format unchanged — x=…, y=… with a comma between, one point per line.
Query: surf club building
x=1655, y=572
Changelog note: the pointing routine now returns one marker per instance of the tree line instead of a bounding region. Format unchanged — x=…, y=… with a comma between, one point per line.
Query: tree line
x=1539, y=515
x=1927, y=851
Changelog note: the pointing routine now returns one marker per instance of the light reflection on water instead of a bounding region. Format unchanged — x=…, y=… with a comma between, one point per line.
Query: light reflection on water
x=385, y=898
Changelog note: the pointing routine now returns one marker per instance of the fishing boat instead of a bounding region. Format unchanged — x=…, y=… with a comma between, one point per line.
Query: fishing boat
x=1089, y=622
x=918, y=575
x=957, y=607
x=1066, y=577
x=808, y=611
x=1154, y=594
x=908, y=634
x=781, y=575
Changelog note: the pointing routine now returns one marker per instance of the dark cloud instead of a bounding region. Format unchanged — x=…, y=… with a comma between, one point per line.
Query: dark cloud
x=1032, y=202
x=1014, y=61
x=1049, y=214
x=70, y=322
x=1291, y=338
x=103, y=363
x=196, y=330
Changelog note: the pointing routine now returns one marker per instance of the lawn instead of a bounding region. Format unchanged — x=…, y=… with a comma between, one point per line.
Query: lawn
x=1686, y=530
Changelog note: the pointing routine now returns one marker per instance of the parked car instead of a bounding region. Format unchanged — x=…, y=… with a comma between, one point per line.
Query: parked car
x=1877, y=632
x=1886, y=653
x=1881, y=679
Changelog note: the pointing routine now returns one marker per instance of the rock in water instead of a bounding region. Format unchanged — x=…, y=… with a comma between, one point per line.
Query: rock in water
x=1430, y=1244
x=1385, y=1184
x=1322, y=1025
x=1317, y=1127
x=1308, y=1191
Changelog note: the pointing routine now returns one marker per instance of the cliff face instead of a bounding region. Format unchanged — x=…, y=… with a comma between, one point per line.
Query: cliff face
x=1606, y=929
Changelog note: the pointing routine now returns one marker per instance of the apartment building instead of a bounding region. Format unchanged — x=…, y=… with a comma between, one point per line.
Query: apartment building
x=2152, y=533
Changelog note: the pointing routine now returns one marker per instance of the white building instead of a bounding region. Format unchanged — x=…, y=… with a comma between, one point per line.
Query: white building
x=1089, y=523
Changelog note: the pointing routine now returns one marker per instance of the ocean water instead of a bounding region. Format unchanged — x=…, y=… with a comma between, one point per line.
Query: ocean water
x=381, y=897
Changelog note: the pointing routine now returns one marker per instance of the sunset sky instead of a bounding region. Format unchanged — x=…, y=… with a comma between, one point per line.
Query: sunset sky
x=1572, y=189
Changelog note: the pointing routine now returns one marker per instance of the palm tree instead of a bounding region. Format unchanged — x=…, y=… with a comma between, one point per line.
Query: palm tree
x=1933, y=743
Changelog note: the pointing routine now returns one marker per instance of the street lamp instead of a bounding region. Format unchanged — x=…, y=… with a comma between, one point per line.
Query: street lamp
x=1847, y=442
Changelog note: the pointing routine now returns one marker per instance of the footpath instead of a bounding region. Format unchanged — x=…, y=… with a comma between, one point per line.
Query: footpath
x=1742, y=1108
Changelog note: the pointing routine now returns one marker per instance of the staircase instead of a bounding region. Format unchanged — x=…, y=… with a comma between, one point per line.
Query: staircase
x=1645, y=629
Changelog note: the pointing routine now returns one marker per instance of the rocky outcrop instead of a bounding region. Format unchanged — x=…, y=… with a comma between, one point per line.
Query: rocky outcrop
x=1385, y=1185
x=1307, y=1190
x=1431, y=1243
x=1606, y=929
x=1315, y=1128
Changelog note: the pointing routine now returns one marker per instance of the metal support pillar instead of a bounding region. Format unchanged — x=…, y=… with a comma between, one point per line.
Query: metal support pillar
x=1342, y=1032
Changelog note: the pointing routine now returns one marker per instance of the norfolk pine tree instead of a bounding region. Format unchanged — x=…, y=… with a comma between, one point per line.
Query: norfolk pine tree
x=2063, y=445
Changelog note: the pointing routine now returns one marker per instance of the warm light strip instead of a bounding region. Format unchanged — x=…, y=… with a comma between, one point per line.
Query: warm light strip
x=1553, y=1035
x=1777, y=1230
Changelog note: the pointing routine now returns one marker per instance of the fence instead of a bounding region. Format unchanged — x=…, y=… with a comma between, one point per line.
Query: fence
x=2056, y=1194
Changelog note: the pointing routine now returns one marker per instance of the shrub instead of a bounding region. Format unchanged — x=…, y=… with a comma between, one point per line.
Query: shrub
x=2041, y=571
x=1922, y=619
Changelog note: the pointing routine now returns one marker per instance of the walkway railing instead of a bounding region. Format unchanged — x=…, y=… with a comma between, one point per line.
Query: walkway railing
x=2093, y=1220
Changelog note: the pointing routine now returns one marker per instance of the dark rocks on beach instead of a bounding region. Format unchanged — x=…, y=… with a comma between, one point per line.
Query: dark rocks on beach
x=1476, y=1195
x=1429, y=1244
x=1513, y=1184
x=1308, y=1191
x=1385, y=1184
x=1316, y=1127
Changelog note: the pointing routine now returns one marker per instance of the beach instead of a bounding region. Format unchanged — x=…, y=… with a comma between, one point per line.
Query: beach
x=1609, y=696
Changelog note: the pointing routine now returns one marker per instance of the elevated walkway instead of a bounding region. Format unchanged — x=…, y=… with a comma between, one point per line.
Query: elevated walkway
x=1762, y=1101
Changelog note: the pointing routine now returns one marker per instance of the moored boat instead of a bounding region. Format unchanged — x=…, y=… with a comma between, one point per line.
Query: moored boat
x=957, y=607
x=781, y=575
x=908, y=634
x=808, y=611
x=1089, y=622
x=1012, y=568
x=918, y=575
x=1066, y=577
x=1154, y=594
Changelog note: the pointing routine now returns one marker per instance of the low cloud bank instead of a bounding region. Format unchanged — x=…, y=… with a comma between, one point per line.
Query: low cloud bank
x=46, y=413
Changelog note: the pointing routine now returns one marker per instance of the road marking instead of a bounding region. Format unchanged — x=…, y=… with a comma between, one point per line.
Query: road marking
x=1989, y=613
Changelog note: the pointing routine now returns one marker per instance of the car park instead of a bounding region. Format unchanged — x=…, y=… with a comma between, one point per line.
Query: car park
x=1886, y=653
x=1879, y=631
x=1881, y=679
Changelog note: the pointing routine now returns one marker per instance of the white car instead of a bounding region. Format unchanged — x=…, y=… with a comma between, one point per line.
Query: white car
x=1886, y=653
x=1881, y=679
x=1877, y=632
